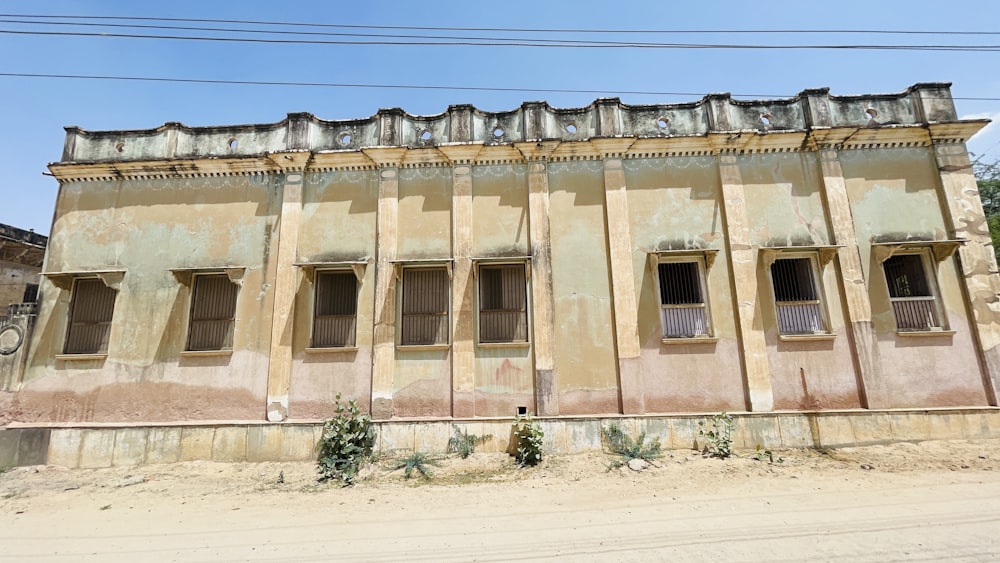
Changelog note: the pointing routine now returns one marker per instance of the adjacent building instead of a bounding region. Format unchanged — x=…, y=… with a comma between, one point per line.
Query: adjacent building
x=805, y=254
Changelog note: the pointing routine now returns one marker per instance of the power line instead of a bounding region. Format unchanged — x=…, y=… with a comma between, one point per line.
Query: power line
x=404, y=86
x=519, y=43
x=510, y=29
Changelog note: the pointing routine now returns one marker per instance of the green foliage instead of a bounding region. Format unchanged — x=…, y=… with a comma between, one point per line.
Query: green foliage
x=528, y=436
x=762, y=454
x=347, y=443
x=464, y=444
x=627, y=448
x=718, y=434
x=417, y=461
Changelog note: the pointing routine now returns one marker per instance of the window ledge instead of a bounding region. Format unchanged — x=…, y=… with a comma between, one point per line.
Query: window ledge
x=418, y=347
x=331, y=349
x=504, y=344
x=929, y=332
x=80, y=357
x=690, y=340
x=202, y=353
x=807, y=337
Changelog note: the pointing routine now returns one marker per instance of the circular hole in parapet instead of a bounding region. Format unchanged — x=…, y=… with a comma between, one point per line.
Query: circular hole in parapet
x=120, y=146
x=344, y=138
x=662, y=122
x=872, y=113
x=498, y=132
x=571, y=128
x=233, y=143
x=766, y=118
x=425, y=135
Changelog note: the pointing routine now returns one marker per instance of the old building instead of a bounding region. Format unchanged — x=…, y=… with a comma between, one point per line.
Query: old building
x=21, y=254
x=805, y=254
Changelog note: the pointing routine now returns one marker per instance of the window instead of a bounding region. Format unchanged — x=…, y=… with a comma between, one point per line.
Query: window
x=797, y=296
x=425, y=306
x=913, y=302
x=336, y=309
x=90, y=312
x=683, y=308
x=213, y=313
x=503, y=304
x=30, y=293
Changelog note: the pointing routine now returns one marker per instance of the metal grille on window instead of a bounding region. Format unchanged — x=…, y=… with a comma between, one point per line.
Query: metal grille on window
x=336, y=309
x=503, y=310
x=425, y=306
x=795, y=295
x=90, y=317
x=913, y=303
x=213, y=310
x=682, y=306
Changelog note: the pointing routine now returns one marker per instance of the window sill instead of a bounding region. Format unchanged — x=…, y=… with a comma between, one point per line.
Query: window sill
x=504, y=344
x=81, y=357
x=690, y=340
x=331, y=349
x=204, y=353
x=419, y=347
x=807, y=337
x=929, y=332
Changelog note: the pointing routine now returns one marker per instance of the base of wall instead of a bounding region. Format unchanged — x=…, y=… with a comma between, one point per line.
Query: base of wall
x=92, y=446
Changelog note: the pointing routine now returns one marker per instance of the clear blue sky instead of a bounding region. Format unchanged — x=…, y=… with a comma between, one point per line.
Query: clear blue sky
x=36, y=109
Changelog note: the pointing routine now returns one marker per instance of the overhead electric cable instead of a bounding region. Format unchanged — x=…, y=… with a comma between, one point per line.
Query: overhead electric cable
x=407, y=86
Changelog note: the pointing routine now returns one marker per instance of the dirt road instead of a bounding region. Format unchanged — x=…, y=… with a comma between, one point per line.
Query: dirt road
x=906, y=502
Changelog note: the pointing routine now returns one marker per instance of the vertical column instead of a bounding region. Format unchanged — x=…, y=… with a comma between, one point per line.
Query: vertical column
x=853, y=289
x=463, y=377
x=965, y=218
x=384, y=341
x=626, y=314
x=279, y=368
x=542, y=301
x=743, y=260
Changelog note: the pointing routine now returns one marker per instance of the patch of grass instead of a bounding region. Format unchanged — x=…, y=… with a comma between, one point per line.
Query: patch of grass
x=761, y=454
x=464, y=444
x=627, y=448
x=416, y=461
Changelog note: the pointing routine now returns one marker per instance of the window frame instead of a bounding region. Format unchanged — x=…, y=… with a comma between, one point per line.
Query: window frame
x=73, y=286
x=400, y=271
x=930, y=278
x=202, y=274
x=317, y=273
x=704, y=259
x=819, y=258
x=478, y=264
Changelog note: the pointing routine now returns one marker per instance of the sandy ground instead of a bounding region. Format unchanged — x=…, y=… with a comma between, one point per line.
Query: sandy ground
x=904, y=502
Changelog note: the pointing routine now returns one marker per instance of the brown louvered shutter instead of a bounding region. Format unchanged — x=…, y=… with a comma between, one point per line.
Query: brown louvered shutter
x=503, y=305
x=425, y=306
x=334, y=323
x=91, y=310
x=213, y=310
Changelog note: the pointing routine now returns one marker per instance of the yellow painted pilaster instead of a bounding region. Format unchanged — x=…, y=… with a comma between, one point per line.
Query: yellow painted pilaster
x=384, y=343
x=744, y=266
x=966, y=220
x=854, y=291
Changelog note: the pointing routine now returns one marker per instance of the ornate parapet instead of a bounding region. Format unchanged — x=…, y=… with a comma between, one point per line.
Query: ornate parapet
x=922, y=106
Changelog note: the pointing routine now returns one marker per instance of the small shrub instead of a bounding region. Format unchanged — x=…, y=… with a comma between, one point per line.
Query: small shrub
x=528, y=436
x=761, y=454
x=626, y=448
x=718, y=434
x=464, y=444
x=417, y=461
x=347, y=443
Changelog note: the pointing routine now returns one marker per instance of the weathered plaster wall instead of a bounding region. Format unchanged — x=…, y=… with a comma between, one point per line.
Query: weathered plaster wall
x=894, y=197
x=503, y=375
x=13, y=279
x=148, y=227
x=338, y=225
x=674, y=205
x=584, y=334
x=783, y=199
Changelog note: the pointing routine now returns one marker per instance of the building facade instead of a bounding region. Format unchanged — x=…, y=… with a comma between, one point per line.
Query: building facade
x=805, y=254
x=21, y=255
